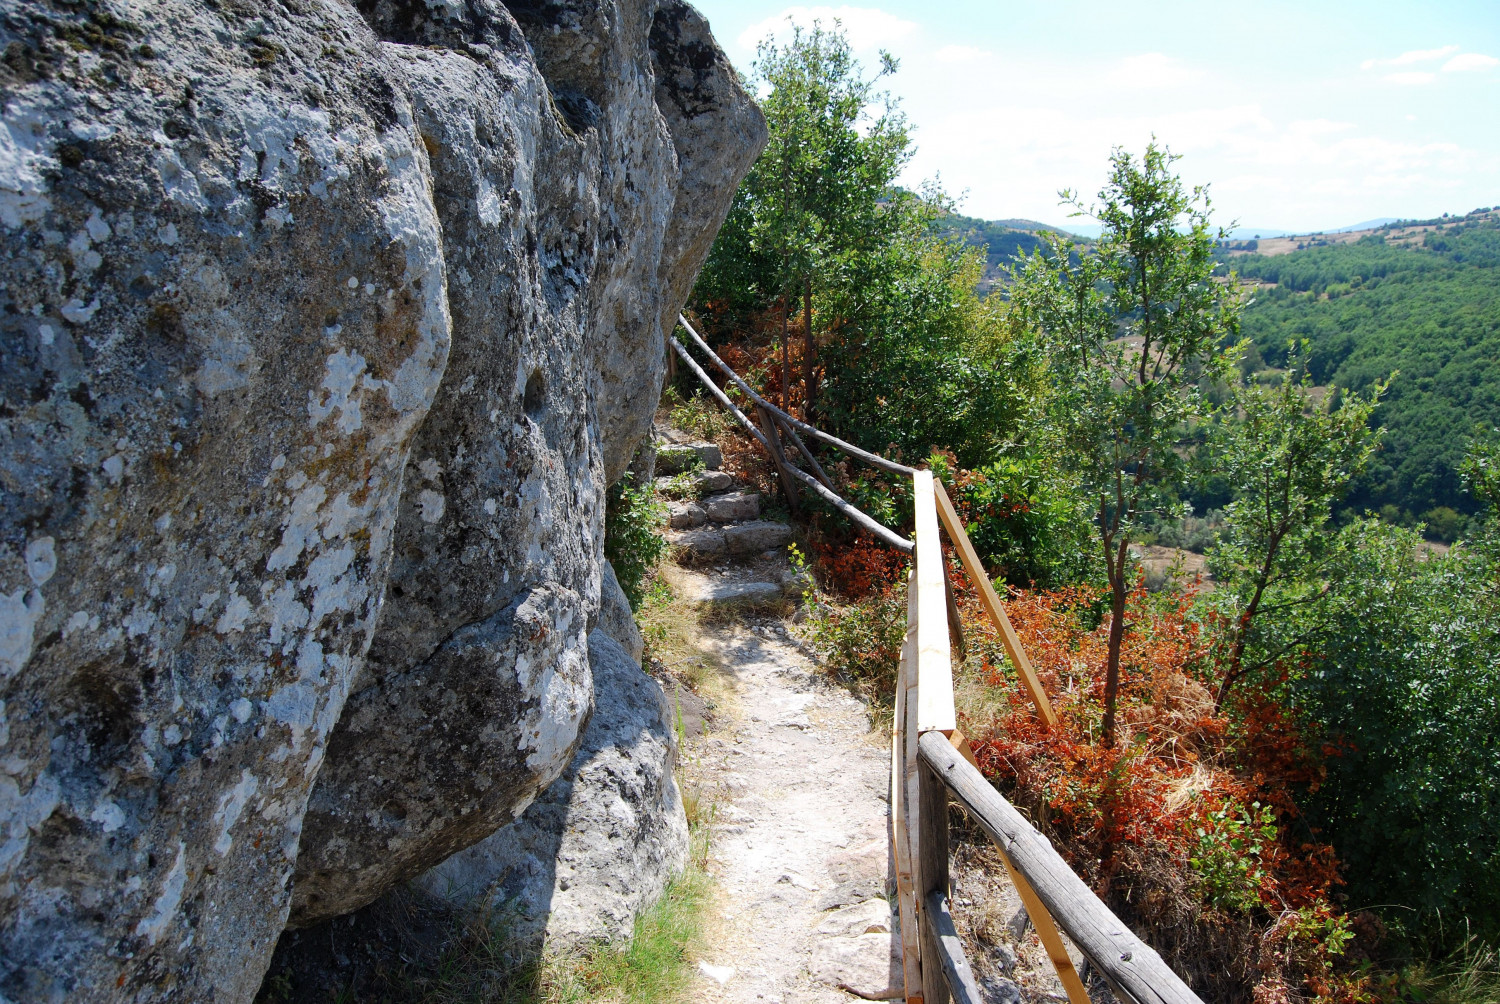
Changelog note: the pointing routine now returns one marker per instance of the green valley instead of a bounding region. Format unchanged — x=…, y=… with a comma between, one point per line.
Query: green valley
x=1421, y=300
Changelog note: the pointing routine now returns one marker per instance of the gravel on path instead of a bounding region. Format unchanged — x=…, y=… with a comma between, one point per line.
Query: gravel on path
x=800, y=846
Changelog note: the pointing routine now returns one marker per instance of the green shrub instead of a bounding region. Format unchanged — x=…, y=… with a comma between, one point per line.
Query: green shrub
x=1406, y=683
x=861, y=641
x=633, y=543
x=1227, y=858
x=1024, y=518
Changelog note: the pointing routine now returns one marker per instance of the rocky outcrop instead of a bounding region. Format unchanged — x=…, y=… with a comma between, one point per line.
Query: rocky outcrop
x=492, y=703
x=257, y=256
x=599, y=844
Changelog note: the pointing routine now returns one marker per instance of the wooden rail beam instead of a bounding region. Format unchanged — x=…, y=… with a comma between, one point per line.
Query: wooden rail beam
x=935, y=710
x=956, y=971
x=849, y=448
x=1135, y=972
x=993, y=606
x=885, y=534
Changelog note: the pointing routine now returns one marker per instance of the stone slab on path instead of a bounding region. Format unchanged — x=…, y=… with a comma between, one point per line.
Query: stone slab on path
x=761, y=535
x=731, y=507
x=674, y=458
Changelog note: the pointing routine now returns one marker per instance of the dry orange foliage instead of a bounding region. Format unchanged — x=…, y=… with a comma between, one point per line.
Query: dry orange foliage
x=1189, y=826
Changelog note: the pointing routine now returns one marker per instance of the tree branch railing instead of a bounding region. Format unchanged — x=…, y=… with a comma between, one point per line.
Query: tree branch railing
x=931, y=760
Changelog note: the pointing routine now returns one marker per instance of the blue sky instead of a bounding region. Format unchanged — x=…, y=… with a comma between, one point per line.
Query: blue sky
x=1302, y=116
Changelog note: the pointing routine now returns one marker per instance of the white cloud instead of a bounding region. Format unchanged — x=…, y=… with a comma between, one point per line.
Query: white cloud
x=1470, y=61
x=1413, y=78
x=867, y=28
x=1153, y=69
x=961, y=54
x=1410, y=58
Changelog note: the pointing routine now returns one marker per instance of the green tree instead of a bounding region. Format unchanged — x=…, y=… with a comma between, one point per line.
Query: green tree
x=1289, y=459
x=818, y=190
x=1132, y=328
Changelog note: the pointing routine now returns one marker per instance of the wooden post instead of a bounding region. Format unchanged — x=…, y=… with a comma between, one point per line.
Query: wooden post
x=909, y=777
x=992, y=606
x=911, y=968
x=812, y=461
x=778, y=459
x=956, y=971
x=931, y=876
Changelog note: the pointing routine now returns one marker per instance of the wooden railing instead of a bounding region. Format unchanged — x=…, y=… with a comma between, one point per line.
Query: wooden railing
x=931, y=762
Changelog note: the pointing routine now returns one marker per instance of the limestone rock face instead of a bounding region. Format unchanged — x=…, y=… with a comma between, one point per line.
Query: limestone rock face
x=616, y=618
x=604, y=840
x=225, y=318
x=557, y=307
x=257, y=256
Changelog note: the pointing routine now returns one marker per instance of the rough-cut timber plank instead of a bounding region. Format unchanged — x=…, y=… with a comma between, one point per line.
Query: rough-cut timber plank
x=905, y=895
x=956, y=971
x=931, y=874
x=993, y=607
x=935, y=710
x=1133, y=968
x=1046, y=932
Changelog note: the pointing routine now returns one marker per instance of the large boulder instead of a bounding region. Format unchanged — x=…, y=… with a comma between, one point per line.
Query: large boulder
x=603, y=841
x=251, y=248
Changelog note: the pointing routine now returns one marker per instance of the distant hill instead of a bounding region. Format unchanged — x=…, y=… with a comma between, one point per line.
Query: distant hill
x=1366, y=225
x=1419, y=297
x=1002, y=241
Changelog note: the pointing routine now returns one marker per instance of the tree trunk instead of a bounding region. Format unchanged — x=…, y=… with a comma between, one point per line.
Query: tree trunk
x=808, y=389
x=786, y=362
x=1116, y=639
x=1242, y=629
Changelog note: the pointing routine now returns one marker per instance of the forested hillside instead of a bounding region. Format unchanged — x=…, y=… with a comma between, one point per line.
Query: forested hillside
x=1419, y=300
x=1001, y=240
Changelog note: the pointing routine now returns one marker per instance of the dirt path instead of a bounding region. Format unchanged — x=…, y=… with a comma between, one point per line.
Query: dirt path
x=800, y=848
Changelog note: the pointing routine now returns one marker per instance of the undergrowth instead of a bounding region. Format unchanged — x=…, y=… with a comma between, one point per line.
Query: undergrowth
x=633, y=521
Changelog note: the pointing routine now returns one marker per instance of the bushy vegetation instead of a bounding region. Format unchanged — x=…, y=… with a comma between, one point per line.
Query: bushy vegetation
x=633, y=544
x=1428, y=309
x=897, y=351
x=1289, y=781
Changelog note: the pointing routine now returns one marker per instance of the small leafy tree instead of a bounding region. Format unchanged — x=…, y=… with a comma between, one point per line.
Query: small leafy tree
x=1132, y=328
x=836, y=147
x=1289, y=460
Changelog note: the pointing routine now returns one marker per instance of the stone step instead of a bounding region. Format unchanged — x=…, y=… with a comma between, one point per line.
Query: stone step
x=674, y=458
x=732, y=507
x=735, y=539
x=708, y=482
